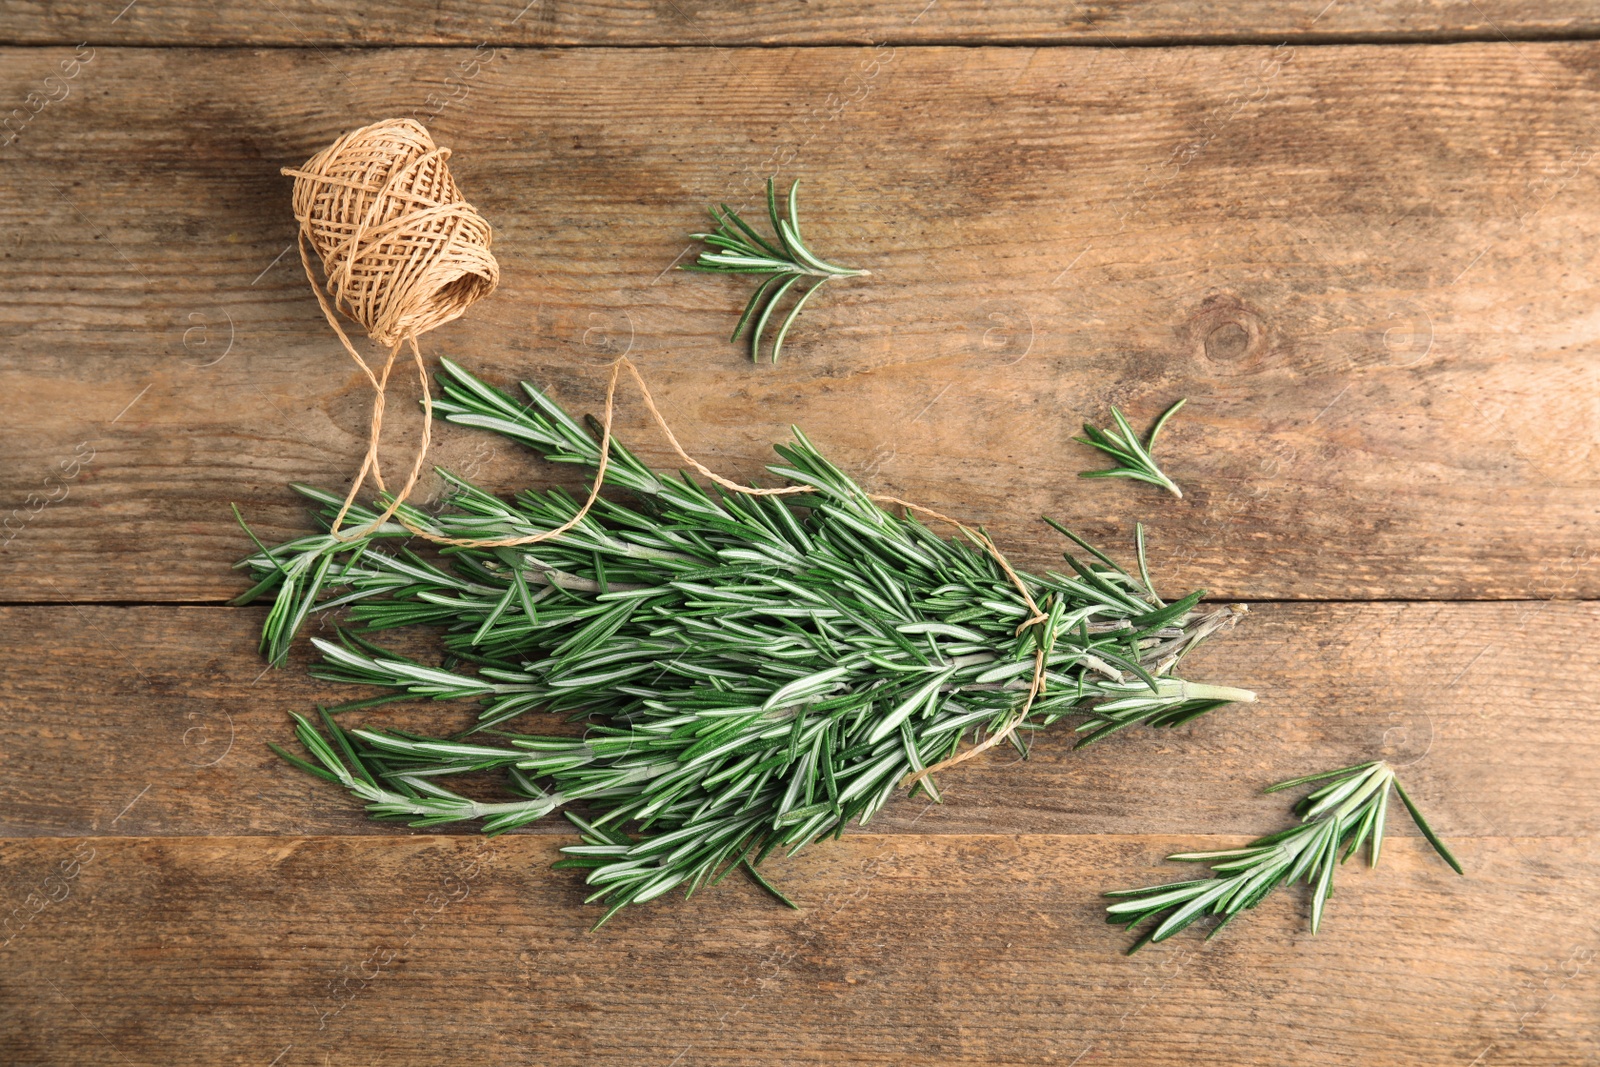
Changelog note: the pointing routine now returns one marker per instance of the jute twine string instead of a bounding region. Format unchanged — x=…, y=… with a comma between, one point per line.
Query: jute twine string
x=403, y=252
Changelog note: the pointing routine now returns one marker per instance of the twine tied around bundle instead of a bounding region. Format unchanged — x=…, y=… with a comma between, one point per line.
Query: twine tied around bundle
x=402, y=252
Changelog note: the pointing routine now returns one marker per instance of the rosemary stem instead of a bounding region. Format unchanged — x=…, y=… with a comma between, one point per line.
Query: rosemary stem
x=1200, y=691
x=551, y=576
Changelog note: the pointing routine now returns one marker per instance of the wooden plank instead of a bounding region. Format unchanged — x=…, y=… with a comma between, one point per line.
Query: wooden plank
x=1362, y=265
x=909, y=950
x=154, y=721
x=301, y=23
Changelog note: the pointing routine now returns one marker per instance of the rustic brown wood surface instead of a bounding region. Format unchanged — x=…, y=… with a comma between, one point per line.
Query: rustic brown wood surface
x=961, y=949
x=1368, y=265
x=1382, y=326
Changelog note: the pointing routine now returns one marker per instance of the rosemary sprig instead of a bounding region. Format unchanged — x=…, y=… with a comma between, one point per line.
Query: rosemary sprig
x=755, y=672
x=1124, y=446
x=739, y=249
x=1348, y=810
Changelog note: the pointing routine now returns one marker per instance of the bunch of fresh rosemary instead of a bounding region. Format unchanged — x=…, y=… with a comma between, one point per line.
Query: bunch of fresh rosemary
x=755, y=671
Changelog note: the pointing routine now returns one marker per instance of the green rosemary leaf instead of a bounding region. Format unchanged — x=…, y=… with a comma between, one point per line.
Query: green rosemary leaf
x=1161, y=421
x=1144, y=568
x=1081, y=543
x=755, y=876
x=731, y=216
x=749, y=308
x=1427, y=831
x=794, y=214
x=1155, y=620
x=320, y=772
x=343, y=741
x=788, y=321
x=776, y=220
x=278, y=570
x=789, y=281
x=1295, y=783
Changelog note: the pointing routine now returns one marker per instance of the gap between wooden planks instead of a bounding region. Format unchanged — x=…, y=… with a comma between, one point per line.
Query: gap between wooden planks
x=301, y=23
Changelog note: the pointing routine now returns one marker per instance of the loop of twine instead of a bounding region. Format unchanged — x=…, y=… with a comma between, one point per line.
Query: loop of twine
x=403, y=252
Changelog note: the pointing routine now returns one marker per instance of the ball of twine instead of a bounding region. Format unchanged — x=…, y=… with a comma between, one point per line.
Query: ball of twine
x=402, y=252
x=401, y=249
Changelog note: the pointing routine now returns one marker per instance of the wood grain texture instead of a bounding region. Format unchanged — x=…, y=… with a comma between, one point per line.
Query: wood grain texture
x=154, y=721
x=1368, y=268
x=930, y=950
x=747, y=22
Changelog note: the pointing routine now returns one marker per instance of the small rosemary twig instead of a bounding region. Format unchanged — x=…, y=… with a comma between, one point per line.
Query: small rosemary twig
x=1124, y=446
x=739, y=249
x=1344, y=813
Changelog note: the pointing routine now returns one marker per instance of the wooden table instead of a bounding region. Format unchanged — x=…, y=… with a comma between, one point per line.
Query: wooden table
x=1361, y=238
